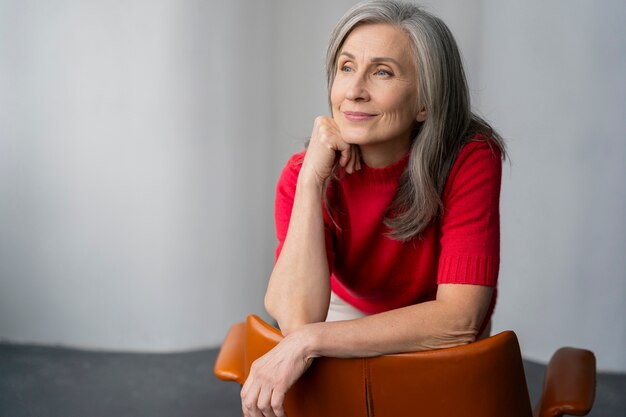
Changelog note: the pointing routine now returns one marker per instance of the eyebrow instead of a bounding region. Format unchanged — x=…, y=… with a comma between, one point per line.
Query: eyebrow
x=375, y=59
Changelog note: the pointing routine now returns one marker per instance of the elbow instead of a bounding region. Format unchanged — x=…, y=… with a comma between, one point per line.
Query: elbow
x=287, y=330
x=274, y=313
x=458, y=331
x=271, y=308
x=462, y=310
x=288, y=321
x=279, y=312
x=287, y=327
x=467, y=336
x=450, y=339
x=464, y=330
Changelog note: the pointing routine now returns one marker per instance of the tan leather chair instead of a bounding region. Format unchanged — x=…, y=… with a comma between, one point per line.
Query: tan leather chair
x=482, y=379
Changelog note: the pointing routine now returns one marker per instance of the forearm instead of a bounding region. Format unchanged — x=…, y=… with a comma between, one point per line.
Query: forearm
x=431, y=325
x=299, y=288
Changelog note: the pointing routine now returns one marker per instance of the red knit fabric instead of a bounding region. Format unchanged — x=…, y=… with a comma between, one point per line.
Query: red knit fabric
x=375, y=273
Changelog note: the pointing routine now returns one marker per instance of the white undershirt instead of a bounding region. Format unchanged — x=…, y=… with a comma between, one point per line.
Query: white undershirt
x=338, y=310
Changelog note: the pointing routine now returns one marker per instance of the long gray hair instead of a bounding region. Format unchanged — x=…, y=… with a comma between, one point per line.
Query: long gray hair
x=443, y=92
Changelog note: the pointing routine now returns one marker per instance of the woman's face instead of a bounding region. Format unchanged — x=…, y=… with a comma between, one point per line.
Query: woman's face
x=374, y=96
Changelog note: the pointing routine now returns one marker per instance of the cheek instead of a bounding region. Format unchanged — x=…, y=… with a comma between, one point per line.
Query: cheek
x=406, y=104
x=335, y=94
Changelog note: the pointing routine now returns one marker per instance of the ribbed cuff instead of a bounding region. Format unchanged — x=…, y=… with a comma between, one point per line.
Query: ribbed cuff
x=477, y=270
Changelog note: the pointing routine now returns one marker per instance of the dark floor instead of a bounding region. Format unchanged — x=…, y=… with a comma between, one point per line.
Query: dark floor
x=53, y=382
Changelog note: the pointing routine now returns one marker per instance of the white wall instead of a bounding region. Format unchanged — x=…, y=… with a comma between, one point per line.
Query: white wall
x=553, y=82
x=133, y=168
x=140, y=143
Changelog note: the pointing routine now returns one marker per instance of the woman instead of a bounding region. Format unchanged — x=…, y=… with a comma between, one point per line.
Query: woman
x=388, y=224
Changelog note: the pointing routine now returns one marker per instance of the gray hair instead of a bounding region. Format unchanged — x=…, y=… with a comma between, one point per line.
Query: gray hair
x=443, y=92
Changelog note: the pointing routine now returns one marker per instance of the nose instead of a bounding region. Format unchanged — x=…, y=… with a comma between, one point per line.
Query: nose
x=357, y=90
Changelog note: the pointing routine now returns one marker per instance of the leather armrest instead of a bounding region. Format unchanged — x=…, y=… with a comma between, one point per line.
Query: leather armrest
x=229, y=365
x=570, y=384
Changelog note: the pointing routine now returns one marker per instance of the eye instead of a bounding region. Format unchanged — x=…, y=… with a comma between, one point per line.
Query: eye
x=383, y=73
x=346, y=68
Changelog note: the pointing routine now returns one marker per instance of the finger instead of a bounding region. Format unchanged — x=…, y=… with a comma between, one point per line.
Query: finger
x=350, y=164
x=346, y=152
x=320, y=126
x=316, y=126
x=249, y=399
x=278, y=401
x=264, y=402
x=251, y=412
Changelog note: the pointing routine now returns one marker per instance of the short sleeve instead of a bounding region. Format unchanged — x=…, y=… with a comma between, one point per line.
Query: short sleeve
x=470, y=222
x=283, y=206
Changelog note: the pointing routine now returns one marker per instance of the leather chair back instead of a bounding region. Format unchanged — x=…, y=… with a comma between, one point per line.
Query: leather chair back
x=485, y=378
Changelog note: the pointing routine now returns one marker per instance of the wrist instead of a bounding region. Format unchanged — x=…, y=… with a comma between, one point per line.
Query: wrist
x=309, y=180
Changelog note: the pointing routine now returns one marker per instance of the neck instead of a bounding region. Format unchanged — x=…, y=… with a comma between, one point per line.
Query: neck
x=383, y=154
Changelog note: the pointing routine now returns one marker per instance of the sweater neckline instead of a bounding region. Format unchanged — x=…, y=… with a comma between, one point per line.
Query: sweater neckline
x=382, y=177
x=390, y=172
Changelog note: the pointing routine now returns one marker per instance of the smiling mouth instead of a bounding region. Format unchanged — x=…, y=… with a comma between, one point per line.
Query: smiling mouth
x=357, y=116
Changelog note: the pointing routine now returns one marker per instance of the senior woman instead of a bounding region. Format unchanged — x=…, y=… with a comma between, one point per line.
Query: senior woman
x=388, y=223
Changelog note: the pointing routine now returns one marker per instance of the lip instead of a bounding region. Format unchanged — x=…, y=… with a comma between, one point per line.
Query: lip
x=358, y=116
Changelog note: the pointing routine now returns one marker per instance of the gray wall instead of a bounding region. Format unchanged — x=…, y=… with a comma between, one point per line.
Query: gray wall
x=140, y=143
x=133, y=175
x=552, y=79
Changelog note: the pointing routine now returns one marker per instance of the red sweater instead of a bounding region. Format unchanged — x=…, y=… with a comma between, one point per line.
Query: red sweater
x=375, y=273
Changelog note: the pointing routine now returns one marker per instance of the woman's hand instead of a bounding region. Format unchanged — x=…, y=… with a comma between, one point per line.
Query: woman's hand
x=263, y=393
x=325, y=146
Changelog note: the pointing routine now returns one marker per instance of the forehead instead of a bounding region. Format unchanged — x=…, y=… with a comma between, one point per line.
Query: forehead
x=379, y=39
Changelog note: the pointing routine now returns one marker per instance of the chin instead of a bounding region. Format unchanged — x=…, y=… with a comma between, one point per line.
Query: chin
x=356, y=138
